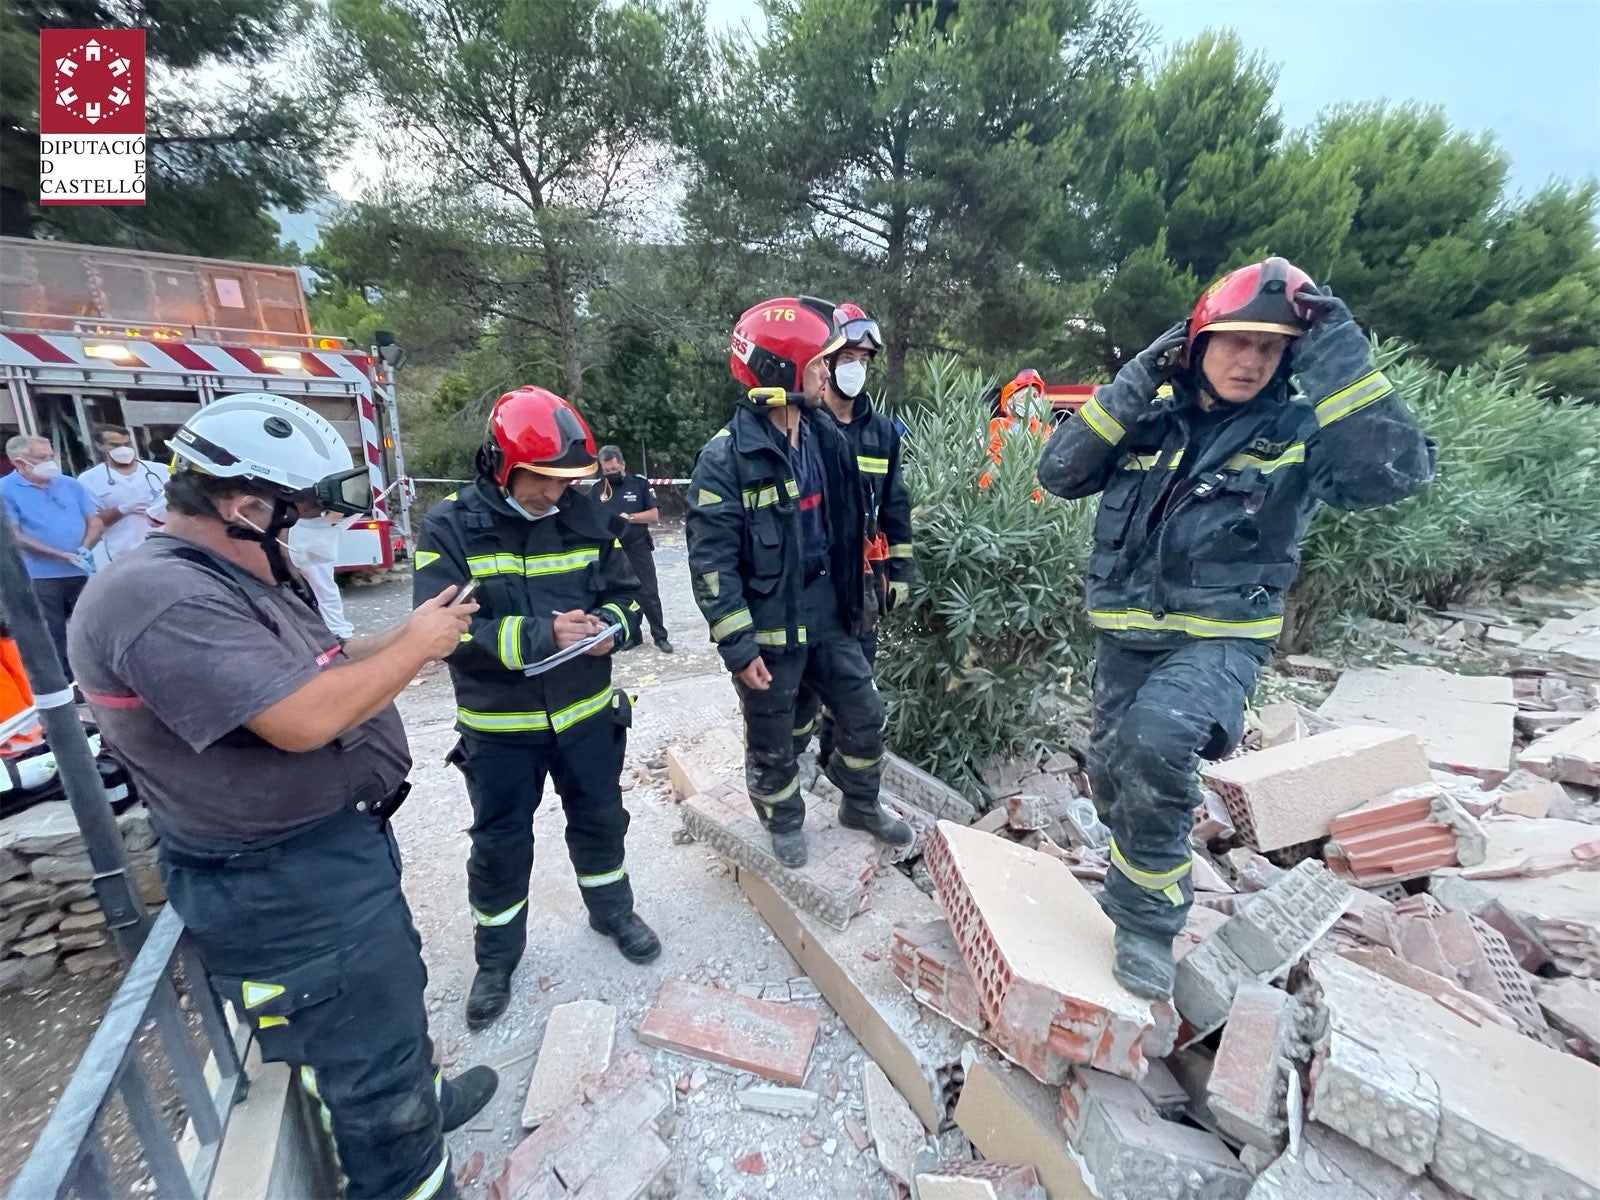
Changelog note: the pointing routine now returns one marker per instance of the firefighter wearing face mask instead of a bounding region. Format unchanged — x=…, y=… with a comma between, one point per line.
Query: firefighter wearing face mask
x=271, y=757
x=1210, y=469
x=854, y=342
x=775, y=532
x=550, y=572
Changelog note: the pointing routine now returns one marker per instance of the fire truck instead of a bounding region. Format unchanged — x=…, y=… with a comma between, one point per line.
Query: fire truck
x=92, y=335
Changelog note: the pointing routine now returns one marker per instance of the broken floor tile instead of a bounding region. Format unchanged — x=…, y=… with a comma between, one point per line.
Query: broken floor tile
x=770, y=1040
x=577, y=1045
x=895, y=1129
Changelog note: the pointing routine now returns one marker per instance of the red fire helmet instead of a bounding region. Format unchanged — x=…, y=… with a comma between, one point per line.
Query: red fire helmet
x=1259, y=297
x=772, y=343
x=540, y=432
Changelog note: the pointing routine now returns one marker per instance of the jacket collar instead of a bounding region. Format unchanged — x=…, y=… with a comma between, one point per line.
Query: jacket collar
x=574, y=511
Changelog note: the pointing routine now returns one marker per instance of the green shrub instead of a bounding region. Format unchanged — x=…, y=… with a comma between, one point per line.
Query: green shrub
x=1516, y=500
x=972, y=666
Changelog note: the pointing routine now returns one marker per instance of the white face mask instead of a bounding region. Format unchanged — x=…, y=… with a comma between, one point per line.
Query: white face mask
x=47, y=470
x=314, y=541
x=123, y=455
x=850, y=378
x=528, y=516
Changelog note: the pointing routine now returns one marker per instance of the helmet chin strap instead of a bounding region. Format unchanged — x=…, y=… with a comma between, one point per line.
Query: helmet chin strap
x=284, y=516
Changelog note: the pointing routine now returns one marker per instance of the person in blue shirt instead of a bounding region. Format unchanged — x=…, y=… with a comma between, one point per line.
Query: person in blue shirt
x=57, y=526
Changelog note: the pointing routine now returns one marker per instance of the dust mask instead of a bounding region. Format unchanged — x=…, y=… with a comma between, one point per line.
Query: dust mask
x=850, y=378
x=47, y=470
x=314, y=543
x=123, y=455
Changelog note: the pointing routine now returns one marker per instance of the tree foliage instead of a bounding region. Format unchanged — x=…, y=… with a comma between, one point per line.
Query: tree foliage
x=220, y=153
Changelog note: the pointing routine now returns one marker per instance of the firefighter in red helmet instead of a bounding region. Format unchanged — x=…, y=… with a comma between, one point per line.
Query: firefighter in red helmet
x=550, y=573
x=776, y=530
x=1210, y=468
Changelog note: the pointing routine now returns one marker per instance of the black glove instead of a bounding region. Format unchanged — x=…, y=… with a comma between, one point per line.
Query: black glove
x=1334, y=351
x=1128, y=396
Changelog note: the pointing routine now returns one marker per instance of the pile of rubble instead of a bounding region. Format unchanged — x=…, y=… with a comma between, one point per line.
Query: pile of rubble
x=48, y=915
x=1385, y=988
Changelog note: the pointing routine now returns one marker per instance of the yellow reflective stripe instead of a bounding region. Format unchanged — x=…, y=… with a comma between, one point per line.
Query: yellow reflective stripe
x=511, y=642
x=791, y=487
x=703, y=497
x=711, y=584
x=423, y=557
x=1194, y=626
x=484, y=565
x=902, y=550
x=772, y=637
x=1177, y=457
x=873, y=466
x=760, y=497
x=569, y=716
x=522, y=722
x=859, y=764
x=1102, y=422
x=806, y=728
x=430, y=1186
x=721, y=433
x=308, y=1080
x=271, y=1022
x=1293, y=454
x=778, y=796
x=257, y=994
x=594, y=881
x=466, y=637
x=622, y=617
x=730, y=624
x=495, y=920
x=1364, y=391
x=1165, y=882
x=438, y=1083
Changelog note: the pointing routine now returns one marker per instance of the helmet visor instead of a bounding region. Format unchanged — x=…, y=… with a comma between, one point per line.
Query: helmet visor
x=347, y=493
x=861, y=331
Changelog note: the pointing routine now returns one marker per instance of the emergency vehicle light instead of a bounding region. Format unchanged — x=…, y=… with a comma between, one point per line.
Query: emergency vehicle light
x=283, y=362
x=109, y=350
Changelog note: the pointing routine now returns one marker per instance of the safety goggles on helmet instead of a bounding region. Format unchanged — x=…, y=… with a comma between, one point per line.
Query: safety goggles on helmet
x=345, y=492
x=849, y=326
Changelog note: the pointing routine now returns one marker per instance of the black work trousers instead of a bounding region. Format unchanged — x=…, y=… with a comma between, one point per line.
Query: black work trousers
x=811, y=713
x=505, y=781
x=311, y=939
x=1157, y=712
x=641, y=554
x=57, y=598
x=832, y=667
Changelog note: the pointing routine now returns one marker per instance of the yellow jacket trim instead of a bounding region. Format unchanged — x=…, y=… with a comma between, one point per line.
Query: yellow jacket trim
x=1292, y=455
x=873, y=466
x=423, y=558
x=525, y=722
x=494, y=920
x=779, y=637
x=703, y=498
x=1102, y=422
x=1151, y=881
x=1194, y=626
x=778, y=796
x=1367, y=390
x=510, y=643
x=430, y=1186
x=732, y=623
x=256, y=994
x=594, y=881
x=859, y=764
x=902, y=550
x=483, y=566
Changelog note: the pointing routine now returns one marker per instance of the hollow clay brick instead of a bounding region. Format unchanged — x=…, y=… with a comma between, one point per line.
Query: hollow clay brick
x=770, y=1040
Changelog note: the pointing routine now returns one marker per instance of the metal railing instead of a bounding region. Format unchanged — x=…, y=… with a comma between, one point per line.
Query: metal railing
x=70, y=1156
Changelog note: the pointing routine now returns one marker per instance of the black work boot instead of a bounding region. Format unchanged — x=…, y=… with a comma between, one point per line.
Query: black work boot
x=663, y=645
x=880, y=823
x=1144, y=964
x=790, y=848
x=637, y=941
x=491, y=992
x=462, y=1098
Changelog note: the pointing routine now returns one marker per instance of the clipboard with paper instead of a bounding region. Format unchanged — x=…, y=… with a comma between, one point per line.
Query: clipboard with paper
x=573, y=651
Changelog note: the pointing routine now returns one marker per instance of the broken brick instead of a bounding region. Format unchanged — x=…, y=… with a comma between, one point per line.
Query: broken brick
x=1309, y=666
x=1286, y=795
x=1525, y=794
x=833, y=883
x=770, y=1040
x=1325, y=1164
x=895, y=1129
x=1053, y=997
x=913, y=784
x=925, y=959
x=1259, y=942
x=1573, y=1007
x=576, y=1048
x=752, y=1164
x=1025, y=813
x=713, y=759
x=1570, y=755
x=1131, y=1151
x=1408, y=834
x=1011, y=1117
x=1254, y=1067
x=974, y=1179
x=1426, y=1089
x=1466, y=950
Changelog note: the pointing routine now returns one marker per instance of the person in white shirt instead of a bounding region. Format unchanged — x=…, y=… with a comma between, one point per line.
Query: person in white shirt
x=129, y=492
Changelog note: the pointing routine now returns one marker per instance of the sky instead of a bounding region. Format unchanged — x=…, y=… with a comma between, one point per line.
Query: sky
x=1527, y=71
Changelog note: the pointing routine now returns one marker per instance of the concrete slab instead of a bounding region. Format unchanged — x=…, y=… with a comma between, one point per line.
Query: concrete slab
x=577, y=1045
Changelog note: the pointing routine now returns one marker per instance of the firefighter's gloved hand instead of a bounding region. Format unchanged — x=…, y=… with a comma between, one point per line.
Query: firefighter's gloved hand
x=1129, y=395
x=1333, y=351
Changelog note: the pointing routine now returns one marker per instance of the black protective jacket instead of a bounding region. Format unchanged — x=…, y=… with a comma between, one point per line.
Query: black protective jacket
x=743, y=530
x=527, y=571
x=875, y=441
x=1209, y=548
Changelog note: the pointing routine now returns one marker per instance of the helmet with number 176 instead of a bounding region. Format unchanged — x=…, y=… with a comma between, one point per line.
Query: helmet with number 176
x=536, y=431
x=773, y=341
x=1258, y=297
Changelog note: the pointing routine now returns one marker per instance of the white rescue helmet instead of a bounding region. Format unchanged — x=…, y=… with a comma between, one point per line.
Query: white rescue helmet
x=277, y=442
